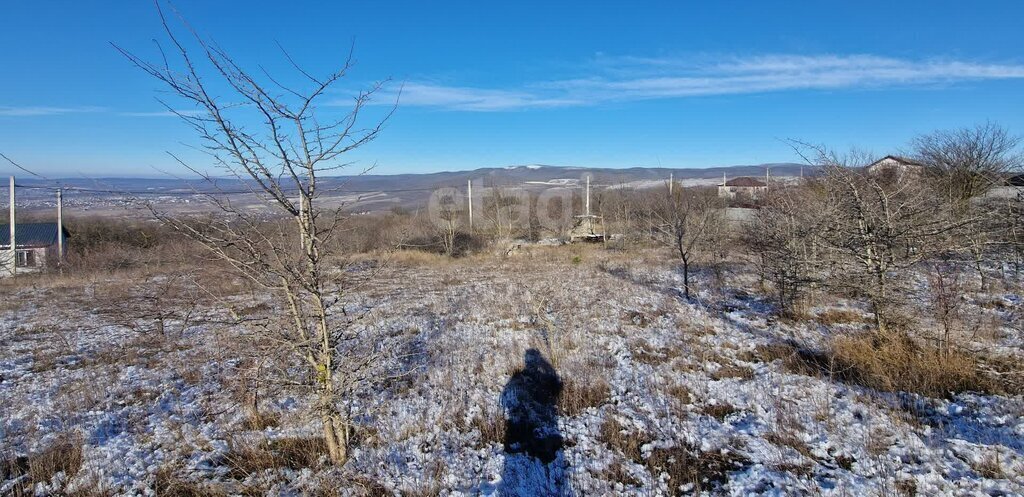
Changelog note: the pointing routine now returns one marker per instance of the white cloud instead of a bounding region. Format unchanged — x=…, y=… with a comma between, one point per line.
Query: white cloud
x=474, y=99
x=163, y=113
x=639, y=78
x=25, y=111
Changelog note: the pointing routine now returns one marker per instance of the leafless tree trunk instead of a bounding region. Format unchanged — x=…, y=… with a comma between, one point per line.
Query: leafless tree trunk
x=270, y=135
x=684, y=220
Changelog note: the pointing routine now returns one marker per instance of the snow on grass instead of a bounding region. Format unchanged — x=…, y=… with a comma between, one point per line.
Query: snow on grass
x=659, y=396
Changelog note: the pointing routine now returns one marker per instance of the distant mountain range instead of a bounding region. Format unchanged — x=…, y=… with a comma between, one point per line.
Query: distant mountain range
x=381, y=191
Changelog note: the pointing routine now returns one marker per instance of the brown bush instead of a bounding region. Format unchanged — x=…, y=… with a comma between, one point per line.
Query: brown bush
x=902, y=365
x=895, y=364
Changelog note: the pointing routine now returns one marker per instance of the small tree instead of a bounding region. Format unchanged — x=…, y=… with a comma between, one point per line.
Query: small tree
x=684, y=220
x=968, y=162
x=963, y=165
x=879, y=229
x=277, y=143
x=783, y=236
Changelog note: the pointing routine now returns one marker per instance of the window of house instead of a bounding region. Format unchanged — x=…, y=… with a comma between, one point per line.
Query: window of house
x=24, y=258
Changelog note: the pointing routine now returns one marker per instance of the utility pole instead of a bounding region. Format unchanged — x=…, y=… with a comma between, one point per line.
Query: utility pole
x=670, y=181
x=14, y=252
x=60, y=231
x=588, y=195
x=766, y=175
x=469, y=197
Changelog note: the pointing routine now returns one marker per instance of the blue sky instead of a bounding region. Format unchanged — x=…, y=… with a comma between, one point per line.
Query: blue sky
x=493, y=84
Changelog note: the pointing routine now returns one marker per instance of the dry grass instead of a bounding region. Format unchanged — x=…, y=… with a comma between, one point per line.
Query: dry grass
x=730, y=370
x=901, y=365
x=169, y=482
x=578, y=395
x=246, y=458
x=719, y=411
x=681, y=393
x=895, y=364
x=840, y=316
x=63, y=456
x=491, y=428
x=690, y=471
x=628, y=442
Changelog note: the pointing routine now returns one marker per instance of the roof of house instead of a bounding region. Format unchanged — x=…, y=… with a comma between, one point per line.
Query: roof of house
x=30, y=234
x=897, y=158
x=745, y=181
x=1015, y=180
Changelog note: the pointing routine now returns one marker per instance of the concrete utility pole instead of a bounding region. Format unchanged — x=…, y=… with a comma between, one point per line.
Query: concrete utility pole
x=588, y=194
x=14, y=252
x=469, y=198
x=60, y=231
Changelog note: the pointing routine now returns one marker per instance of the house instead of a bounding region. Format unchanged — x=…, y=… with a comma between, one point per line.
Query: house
x=744, y=187
x=1011, y=187
x=895, y=165
x=36, y=244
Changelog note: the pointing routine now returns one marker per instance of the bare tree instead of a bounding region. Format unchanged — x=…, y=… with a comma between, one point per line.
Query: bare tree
x=449, y=214
x=684, y=220
x=274, y=137
x=963, y=165
x=784, y=238
x=879, y=230
x=968, y=162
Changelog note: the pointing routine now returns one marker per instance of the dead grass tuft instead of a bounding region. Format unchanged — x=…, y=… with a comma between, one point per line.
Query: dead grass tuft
x=892, y=365
x=840, y=316
x=628, y=442
x=168, y=482
x=63, y=456
x=690, y=471
x=245, y=459
x=719, y=411
x=731, y=370
x=579, y=395
x=491, y=428
x=901, y=365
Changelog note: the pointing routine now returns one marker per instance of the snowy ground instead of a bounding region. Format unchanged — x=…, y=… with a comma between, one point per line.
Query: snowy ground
x=658, y=396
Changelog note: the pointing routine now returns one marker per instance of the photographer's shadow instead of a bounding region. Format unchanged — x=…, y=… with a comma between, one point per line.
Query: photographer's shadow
x=534, y=463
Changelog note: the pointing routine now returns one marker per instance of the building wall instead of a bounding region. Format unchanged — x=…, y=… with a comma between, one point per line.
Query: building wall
x=5, y=263
x=39, y=260
x=733, y=191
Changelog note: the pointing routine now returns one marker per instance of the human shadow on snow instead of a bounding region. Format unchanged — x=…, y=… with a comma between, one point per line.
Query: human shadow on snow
x=534, y=462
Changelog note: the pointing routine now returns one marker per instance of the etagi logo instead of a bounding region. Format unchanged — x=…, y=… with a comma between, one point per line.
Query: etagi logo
x=550, y=207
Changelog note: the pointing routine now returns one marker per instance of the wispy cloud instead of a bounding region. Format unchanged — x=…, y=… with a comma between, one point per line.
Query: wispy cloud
x=162, y=113
x=35, y=110
x=476, y=99
x=640, y=78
